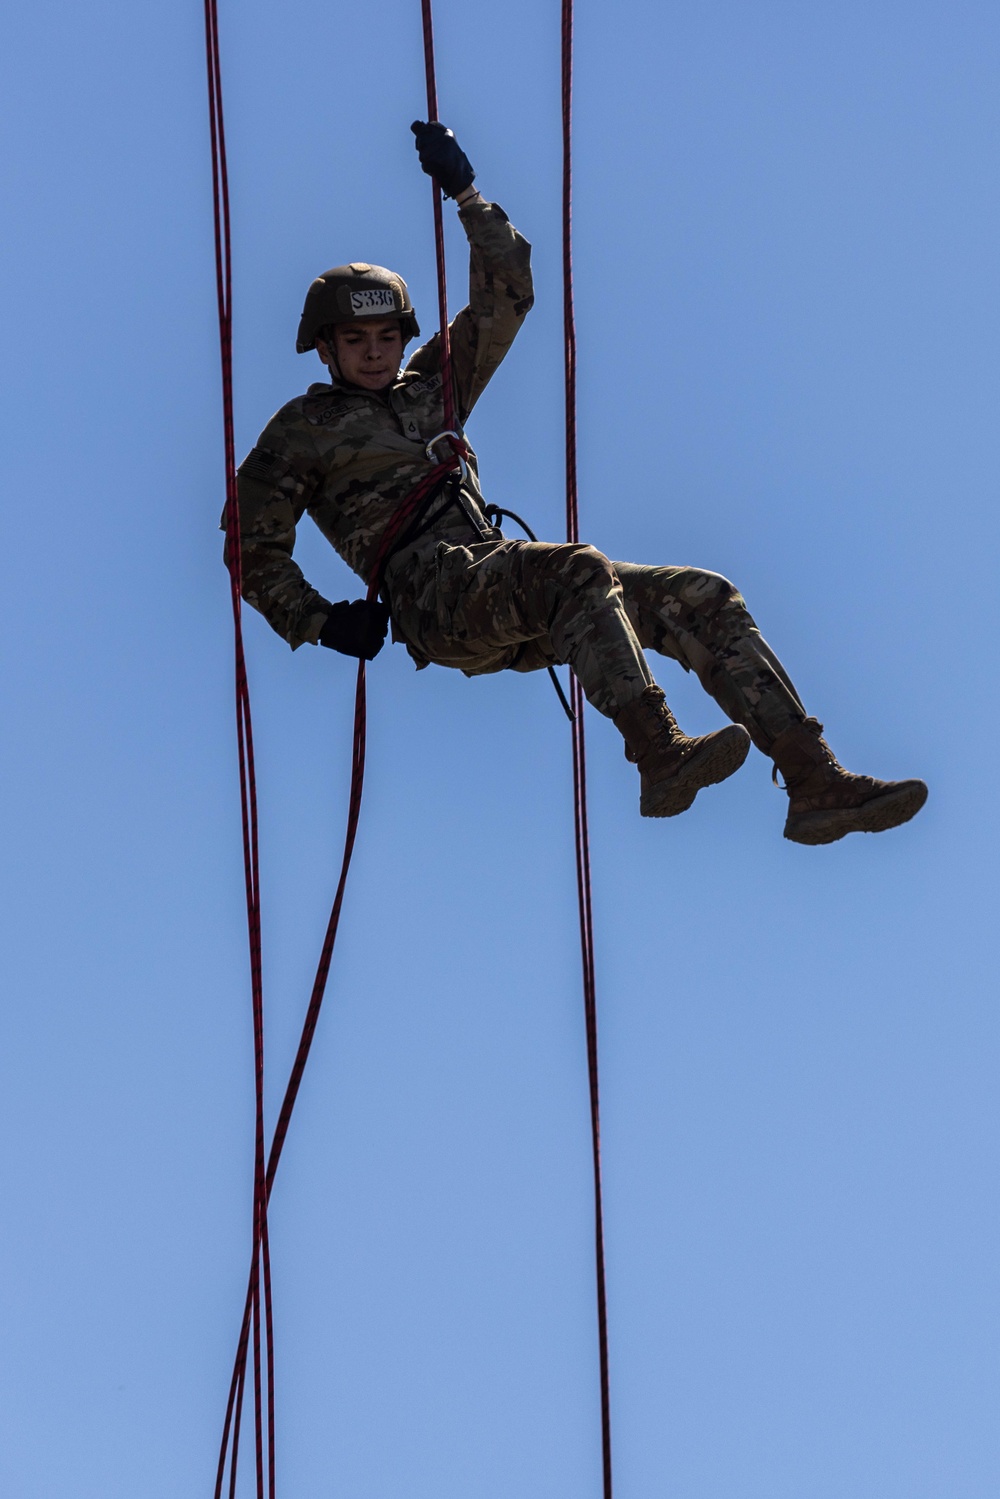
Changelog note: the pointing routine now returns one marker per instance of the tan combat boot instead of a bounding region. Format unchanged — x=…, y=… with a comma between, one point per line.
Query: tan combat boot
x=825, y=801
x=672, y=767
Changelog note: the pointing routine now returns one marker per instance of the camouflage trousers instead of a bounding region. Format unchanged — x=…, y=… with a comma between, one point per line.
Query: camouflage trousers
x=521, y=605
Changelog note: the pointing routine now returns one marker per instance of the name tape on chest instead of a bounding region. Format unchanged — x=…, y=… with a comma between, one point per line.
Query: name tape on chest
x=372, y=302
x=424, y=387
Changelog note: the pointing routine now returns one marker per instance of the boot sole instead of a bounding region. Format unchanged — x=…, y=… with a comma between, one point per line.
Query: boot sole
x=875, y=816
x=719, y=758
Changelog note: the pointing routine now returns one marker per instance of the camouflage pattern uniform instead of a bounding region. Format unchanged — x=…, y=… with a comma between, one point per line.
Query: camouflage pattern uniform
x=462, y=594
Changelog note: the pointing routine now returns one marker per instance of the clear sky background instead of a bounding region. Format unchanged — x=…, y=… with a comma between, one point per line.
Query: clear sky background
x=787, y=239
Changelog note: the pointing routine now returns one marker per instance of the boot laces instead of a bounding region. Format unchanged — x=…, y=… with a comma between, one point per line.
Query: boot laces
x=816, y=728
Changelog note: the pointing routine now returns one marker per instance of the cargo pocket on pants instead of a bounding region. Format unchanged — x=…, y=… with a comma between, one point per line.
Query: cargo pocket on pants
x=452, y=566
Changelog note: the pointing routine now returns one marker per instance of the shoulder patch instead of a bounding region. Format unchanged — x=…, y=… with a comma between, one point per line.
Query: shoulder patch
x=259, y=463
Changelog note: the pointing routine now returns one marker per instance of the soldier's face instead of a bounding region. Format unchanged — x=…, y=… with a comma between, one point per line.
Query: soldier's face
x=368, y=352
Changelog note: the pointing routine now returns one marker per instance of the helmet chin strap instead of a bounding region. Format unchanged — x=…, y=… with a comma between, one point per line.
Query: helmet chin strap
x=331, y=363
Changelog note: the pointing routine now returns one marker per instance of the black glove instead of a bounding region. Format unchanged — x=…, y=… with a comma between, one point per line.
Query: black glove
x=443, y=158
x=356, y=629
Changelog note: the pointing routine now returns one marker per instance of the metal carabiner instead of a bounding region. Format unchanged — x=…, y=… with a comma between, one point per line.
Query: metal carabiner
x=429, y=450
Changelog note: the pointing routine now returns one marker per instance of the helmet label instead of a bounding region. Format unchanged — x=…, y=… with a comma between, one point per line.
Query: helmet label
x=372, y=301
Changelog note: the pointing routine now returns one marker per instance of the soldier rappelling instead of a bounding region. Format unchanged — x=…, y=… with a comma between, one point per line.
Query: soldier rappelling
x=461, y=594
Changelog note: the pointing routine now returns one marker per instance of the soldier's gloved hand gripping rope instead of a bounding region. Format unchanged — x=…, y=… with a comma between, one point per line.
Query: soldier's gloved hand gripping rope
x=356, y=628
x=442, y=157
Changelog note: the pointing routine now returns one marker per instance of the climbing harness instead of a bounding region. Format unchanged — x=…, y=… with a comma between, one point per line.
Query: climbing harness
x=444, y=477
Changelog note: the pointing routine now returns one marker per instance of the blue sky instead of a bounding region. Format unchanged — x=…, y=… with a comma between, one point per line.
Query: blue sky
x=786, y=231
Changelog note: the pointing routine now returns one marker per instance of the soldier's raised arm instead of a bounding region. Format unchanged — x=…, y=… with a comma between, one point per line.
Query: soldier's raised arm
x=500, y=287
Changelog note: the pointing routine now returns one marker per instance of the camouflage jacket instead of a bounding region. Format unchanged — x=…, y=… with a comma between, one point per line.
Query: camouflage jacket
x=350, y=457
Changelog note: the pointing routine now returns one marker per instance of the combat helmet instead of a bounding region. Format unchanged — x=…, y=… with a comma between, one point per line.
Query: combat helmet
x=358, y=290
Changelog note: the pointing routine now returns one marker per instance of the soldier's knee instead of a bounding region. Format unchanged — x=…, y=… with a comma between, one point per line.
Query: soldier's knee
x=575, y=576
x=714, y=592
x=720, y=587
x=585, y=570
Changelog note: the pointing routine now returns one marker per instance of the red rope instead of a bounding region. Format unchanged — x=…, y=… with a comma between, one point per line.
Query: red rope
x=392, y=531
x=260, y=1269
x=579, y=748
x=447, y=393
x=260, y=1275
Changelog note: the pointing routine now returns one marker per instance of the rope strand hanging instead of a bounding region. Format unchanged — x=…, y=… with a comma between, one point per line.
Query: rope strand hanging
x=579, y=746
x=264, y=1176
x=260, y=1271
